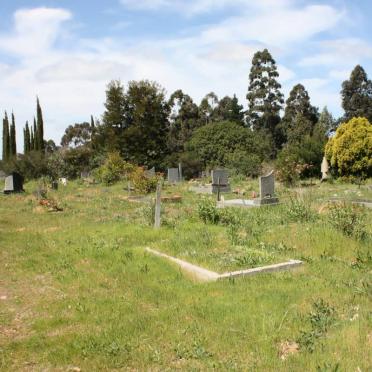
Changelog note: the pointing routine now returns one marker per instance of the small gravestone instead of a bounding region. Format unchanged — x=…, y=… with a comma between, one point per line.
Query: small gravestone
x=55, y=185
x=324, y=169
x=220, y=181
x=13, y=183
x=150, y=173
x=63, y=181
x=267, y=190
x=84, y=174
x=173, y=175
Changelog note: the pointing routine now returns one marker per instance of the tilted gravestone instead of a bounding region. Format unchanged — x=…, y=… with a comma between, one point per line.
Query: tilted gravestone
x=150, y=173
x=173, y=175
x=13, y=183
x=220, y=181
x=267, y=190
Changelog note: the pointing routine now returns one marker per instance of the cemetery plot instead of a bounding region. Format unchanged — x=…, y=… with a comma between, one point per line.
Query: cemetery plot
x=200, y=274
x=110, y=305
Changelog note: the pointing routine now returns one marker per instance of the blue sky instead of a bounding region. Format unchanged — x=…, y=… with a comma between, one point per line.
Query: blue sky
x=67, y=51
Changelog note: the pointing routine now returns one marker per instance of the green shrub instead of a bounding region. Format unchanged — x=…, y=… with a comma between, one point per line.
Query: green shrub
x=299, y=210
x=114, y=169
x=288, y=167
x=141, y=182
x=147, y=213
x=321, y=318
x=208, y=211
x=349, y=219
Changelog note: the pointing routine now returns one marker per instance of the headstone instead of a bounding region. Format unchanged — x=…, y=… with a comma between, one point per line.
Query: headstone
x=324, y=168
x=63, y=181
x=267, y=190
x=157, y=206
x=13, y=183
x=84, y=174
x=220, y=181
x=150, y=173
x=173, y=175
x=55, y=185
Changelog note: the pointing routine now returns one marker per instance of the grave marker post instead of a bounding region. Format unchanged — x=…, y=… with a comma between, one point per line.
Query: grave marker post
x=157, y=206
x=180, y=171
x=218, y=189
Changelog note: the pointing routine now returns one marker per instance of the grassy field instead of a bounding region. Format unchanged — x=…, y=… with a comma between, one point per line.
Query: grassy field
x=78, y=291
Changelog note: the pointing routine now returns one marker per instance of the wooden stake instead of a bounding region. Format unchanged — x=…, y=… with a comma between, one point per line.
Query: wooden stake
x=158, y=206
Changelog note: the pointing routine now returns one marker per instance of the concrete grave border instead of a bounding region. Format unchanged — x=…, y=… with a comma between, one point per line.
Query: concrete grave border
x=204, y=275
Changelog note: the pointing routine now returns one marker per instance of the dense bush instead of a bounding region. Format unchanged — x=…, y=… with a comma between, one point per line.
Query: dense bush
x=350, y=150
x=141, y=182
x=32, y=165
x=229, y=144
x=288, y=167
x=114, y=169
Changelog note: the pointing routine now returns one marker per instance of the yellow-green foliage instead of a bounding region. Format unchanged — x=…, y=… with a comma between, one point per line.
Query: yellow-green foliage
x=142, y=182
x=350, y=150
x=114, y=169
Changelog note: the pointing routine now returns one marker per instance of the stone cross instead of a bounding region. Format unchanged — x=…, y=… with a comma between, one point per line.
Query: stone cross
x=157, y=206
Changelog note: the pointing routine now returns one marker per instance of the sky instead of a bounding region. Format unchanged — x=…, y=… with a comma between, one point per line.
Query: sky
x=67, y=51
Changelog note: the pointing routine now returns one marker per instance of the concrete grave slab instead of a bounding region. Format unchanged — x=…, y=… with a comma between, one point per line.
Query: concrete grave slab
x=203, y=275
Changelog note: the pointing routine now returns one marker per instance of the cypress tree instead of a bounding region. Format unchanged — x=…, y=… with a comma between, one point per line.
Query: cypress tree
x=92, y=122
x=265, y=99
x=6, y=139
x=40, y=126
x=27, y=139
x=12, y=139
x=32, y=140
x=357, y=95
x=35, y=140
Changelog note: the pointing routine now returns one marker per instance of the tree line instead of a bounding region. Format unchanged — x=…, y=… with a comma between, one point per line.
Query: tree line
x=148, y=129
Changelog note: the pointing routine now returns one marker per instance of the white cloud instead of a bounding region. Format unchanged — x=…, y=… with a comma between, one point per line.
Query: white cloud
x=35, y=31
x=195, y=7
x=277, y=26
x=347, y=51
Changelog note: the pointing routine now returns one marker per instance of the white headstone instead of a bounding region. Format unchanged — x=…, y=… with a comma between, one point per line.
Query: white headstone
x=324, y=168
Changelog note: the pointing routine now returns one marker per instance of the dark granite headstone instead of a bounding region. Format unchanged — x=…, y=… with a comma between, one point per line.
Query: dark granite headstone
x=13, y=183
x=220, y=181
x=267, y=190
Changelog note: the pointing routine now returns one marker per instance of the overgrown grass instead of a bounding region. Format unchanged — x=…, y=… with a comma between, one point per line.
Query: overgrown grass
x=78, y=290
